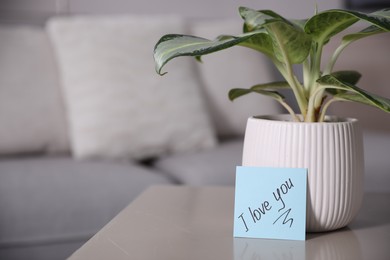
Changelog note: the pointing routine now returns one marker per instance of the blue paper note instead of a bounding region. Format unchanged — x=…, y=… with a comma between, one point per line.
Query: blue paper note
x=270, y=203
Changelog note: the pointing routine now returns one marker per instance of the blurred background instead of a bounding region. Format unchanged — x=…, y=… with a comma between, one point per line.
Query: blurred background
x=38, y=11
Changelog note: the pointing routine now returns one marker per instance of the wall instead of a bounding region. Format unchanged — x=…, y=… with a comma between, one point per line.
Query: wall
x=202, y=8
x=36, y=11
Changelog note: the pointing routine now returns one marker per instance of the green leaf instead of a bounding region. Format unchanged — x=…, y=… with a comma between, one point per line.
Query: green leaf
x=264, y=89
x=288, y=38
x=255, y=20
x=291, y=44
x=350, y=92
x=355, y=98
x=371, y=30
x=379, y=18
x=326, y=24
x=238, y=92
x=261, y=42
x=175, y=45
x=349, y=76
x=349, y=38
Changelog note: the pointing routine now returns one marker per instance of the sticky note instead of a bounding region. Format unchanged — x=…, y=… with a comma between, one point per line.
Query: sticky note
x=270, y=203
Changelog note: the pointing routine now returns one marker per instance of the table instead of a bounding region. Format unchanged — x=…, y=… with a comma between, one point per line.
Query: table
x=179, y=222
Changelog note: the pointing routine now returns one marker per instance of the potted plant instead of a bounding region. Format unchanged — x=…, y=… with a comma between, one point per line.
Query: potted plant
x=330, y=147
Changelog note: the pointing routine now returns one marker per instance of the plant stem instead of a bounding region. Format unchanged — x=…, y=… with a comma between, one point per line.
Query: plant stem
x=325, y=108
x=315, y=103
x=336, y=54
x=315, y=98
x=288, y=73
x=297, y=89
x=315, y=64
x=290, y=110
x=306, y=76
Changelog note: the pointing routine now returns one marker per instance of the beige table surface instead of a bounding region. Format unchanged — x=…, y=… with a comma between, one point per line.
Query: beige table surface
x=179, y=222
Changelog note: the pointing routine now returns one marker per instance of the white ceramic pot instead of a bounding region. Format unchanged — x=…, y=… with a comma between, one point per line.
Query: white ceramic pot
x=331, y=151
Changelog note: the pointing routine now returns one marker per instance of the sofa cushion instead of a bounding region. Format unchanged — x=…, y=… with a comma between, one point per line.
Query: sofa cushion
x=32, y=118
x=237, y=67
x=58, y=200
x=212, y=167
x=218, y=166
x=118, y=106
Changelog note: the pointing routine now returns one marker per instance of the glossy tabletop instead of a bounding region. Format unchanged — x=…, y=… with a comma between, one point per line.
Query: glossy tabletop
x=179, y=222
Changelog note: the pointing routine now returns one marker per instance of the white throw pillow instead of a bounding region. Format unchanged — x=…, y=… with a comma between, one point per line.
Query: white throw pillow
x=32, y=118
x=118, y=106
x=237, y=67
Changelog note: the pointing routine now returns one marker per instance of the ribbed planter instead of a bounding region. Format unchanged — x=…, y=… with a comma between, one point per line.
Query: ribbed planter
x=331, y=151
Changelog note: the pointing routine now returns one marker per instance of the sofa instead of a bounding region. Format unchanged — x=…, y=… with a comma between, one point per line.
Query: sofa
x=86, y=124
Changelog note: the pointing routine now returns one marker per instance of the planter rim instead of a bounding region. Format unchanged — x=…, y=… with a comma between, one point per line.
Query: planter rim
x=286, y=119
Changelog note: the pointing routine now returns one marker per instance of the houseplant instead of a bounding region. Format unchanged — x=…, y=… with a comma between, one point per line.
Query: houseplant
x=331, y=148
